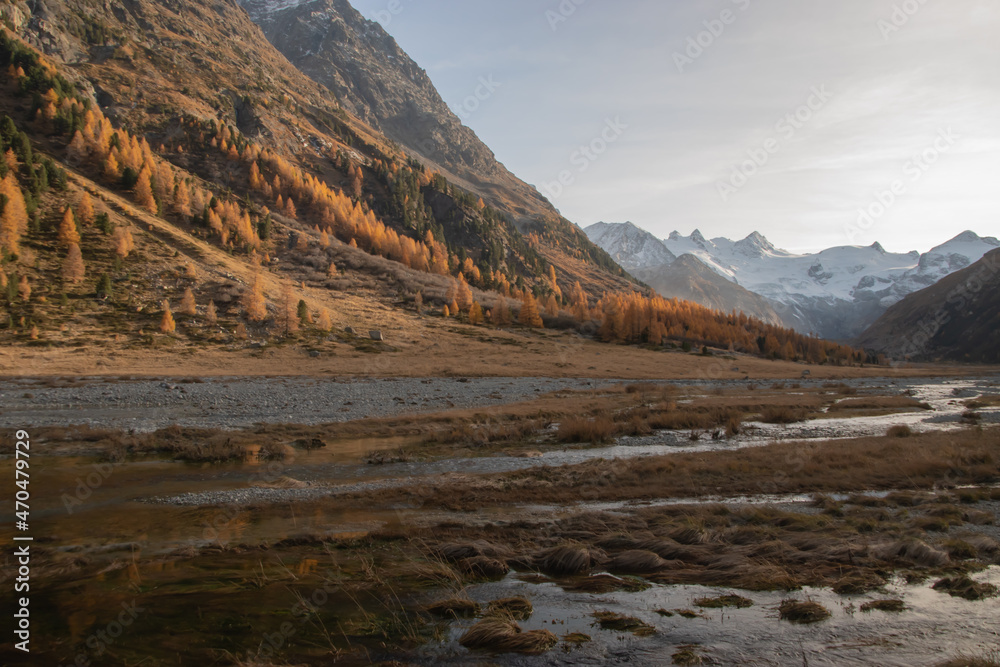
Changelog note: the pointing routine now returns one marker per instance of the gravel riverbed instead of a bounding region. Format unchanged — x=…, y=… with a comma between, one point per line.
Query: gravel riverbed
x=146, y=405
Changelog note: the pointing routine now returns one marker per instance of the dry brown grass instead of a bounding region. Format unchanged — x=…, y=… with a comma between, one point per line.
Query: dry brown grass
x=455, y=607
x=987, y=401
x=595, y=430
x=724, y=601
x=884, y=605
x=569, y=559
x=879, y=403
x=963, y=587
x=505, y=636
x=609, y=620
x=782, y=415
x=518, y=608
x=922, y=461
x=637, y=561
x=796, y=611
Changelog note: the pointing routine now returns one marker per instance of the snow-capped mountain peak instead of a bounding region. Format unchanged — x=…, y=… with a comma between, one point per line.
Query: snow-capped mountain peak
x=837, y=292
x=631, y=247
x=754, y=245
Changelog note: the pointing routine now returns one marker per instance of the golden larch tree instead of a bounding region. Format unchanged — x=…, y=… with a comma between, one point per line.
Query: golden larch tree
x=529, y=316
x=24, y=288
x=124, y=244
x=182, y=198
x=288, y=318
x=14, y=221
x=144, y=191
x=551, y=305
x=501, y=311
x=253, y=302
x=68, y=234
x=324, y=323
x=188, y=305
x=73, y=269
x=463, y=294
x=476, y=313
x=85, y=210
x=211, y=314
x=167, y=324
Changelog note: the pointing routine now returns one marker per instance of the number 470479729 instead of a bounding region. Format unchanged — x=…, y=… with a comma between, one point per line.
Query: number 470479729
x=22, y=454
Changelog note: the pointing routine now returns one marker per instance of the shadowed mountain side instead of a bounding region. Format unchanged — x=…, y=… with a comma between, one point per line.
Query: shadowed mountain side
x=957, y=319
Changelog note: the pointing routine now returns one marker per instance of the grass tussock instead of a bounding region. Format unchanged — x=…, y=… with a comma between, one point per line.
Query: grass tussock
x=453, y=608
x=724, y=601
x=797, y=611
x=505, y=636
x=518, y=608
x=609, y=620
x=686, y=656
x=637, y=561
x=899, y=431
x=966, y=588
x=859, y=582
x=884, y=605
x=483, y=567
x=598, y=584
x=569, y=559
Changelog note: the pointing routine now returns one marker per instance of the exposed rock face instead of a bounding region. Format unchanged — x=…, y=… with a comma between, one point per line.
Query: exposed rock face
x=375, y=80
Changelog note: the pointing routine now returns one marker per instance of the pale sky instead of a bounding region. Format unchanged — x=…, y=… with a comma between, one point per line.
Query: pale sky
x=907, y=101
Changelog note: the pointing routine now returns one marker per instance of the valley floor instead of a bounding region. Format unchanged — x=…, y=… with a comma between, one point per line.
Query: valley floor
x=294, y=520
x=433, y=347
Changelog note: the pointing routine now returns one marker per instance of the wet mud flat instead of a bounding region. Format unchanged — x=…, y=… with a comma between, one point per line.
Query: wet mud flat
x=592, y=553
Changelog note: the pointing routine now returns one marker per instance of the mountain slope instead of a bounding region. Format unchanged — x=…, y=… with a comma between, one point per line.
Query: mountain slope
x=378, y=82
x=690, y=279
x=159, y=68
x=957, y=318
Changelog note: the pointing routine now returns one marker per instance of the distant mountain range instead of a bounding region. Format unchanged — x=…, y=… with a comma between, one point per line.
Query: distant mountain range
x=836, y=293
